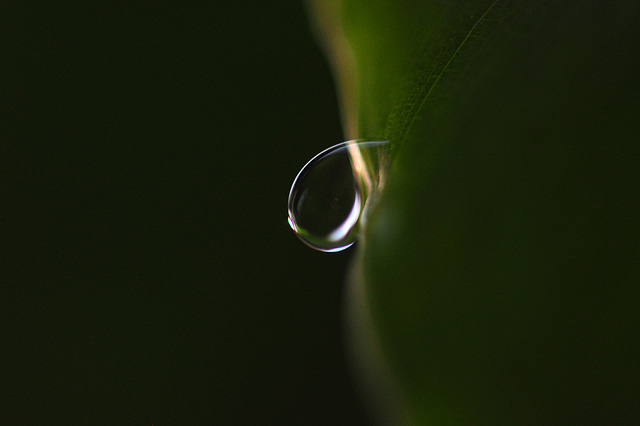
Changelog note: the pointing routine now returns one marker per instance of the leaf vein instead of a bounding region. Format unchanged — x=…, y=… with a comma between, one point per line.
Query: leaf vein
x=405, y=113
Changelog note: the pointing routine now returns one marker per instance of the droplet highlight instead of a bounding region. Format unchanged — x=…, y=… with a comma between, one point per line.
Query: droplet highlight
x=330, y=196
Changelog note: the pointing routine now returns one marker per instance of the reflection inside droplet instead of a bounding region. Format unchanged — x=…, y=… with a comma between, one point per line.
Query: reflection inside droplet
x=329, y=198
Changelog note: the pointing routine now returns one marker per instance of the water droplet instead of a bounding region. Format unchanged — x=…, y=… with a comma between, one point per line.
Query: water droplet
x=330, y=196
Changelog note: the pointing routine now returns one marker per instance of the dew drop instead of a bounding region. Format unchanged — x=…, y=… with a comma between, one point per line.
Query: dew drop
x=329, y=198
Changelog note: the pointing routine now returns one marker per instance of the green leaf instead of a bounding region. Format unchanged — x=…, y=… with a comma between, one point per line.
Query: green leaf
x=498, y=280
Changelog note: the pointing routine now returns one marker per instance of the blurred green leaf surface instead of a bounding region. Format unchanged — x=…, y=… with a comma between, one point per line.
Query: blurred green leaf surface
x=501, y=267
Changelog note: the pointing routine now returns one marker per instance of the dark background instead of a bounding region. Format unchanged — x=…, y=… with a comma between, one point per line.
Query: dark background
x=149, y=274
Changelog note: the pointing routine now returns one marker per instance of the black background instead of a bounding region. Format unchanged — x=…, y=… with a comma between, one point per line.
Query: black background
x=149, y=272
